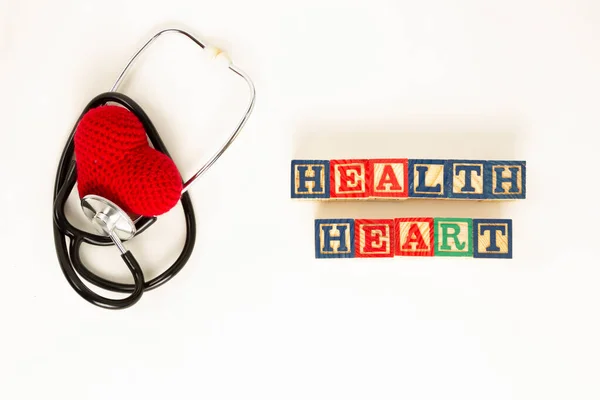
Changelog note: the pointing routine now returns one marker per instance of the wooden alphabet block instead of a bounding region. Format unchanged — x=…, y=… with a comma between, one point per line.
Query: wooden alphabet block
x=310, y=179
x=453, y=237
x=465, y=179
x=389, y=178
x=492, y=238
x=374, y=237
x=414, y=237
x=334, y=238
x=504, y=180
x=401, y=178
x=427, y=178
x=420, y=237
x=349, y=179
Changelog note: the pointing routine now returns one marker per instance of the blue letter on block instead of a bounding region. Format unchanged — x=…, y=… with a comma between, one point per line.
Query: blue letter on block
x=427, y=178
x=334, y=238
x=492, y=238
x=504, y=180
x=465, y=179
x=310, y=179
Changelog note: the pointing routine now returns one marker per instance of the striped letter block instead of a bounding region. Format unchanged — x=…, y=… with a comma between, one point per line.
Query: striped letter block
x=310, y=179
x=492, y=238
x=374, y=237
x=349, y=179
x=389, y=178
x=453, y=237
x=413, y=237
x=334, y=238
x=401, y=178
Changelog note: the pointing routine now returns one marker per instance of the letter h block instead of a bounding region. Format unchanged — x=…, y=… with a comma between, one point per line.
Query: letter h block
x=310, y=179
x=334, y=238
x=505, y=180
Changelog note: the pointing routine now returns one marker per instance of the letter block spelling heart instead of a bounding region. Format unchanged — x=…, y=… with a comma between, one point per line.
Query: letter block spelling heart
x=416, y=237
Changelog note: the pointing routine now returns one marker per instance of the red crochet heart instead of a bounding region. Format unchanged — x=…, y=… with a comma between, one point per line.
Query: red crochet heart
x=115, y=161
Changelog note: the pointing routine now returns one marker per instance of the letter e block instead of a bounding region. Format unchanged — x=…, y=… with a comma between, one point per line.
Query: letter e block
x=310, y=179
x=505, y=180
x=414, y=237
x=426, y=178
x=349, y=178
x=374, y=237
x=334, y=238
x=389, y=178
x=453, y=237
x=492, y=238
x=465, y=179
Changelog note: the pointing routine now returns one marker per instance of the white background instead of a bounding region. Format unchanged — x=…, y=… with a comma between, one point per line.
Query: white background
x=254, y=315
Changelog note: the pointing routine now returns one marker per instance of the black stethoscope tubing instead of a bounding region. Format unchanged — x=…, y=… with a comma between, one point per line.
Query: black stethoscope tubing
x=69, y=255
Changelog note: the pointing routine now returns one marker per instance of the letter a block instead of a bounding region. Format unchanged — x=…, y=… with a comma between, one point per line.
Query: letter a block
x=492, y=238
x=389, y=178
x=505, y=180
x=414, y=237
x=374, y=237
x=334, y=238
x=310, y=179
x=453, y=237
x=349, y=179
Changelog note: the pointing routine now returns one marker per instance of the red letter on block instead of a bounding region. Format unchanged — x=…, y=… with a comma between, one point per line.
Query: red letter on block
x=389, y=178
x=414, y=237
x=374, y=237
x=349, y=178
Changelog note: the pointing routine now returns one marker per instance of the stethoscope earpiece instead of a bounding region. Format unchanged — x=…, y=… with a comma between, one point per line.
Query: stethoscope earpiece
x=112, y=223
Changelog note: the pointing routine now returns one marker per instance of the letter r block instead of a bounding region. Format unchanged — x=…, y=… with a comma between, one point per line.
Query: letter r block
x=492, y=238
x=465, y=179
x=349, y=178
x=453, y=237
x=334, y=238
x=374, y=237
x=414, y=237
x=389, y=178
x=505, y=180
x=310, y=179
x=427, y=178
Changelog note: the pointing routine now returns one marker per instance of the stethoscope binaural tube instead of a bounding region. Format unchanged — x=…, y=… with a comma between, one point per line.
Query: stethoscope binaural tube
x=113, y=225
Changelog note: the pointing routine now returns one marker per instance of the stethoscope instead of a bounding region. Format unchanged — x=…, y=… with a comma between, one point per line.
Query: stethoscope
x=113, y=225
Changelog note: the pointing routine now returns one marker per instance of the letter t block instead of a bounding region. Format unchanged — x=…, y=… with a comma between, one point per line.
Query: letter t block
x=492, y=238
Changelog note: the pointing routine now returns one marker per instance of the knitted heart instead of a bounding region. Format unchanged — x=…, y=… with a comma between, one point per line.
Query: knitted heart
x=115, y=161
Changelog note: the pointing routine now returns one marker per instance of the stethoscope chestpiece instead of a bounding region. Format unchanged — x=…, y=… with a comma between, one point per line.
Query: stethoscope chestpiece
x=108, y=219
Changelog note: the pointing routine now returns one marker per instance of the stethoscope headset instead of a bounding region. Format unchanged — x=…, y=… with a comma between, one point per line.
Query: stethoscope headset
x=113, y=224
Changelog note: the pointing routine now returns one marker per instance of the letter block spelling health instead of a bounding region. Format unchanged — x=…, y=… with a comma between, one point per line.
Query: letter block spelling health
x=420, y=237
x=401, y=178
